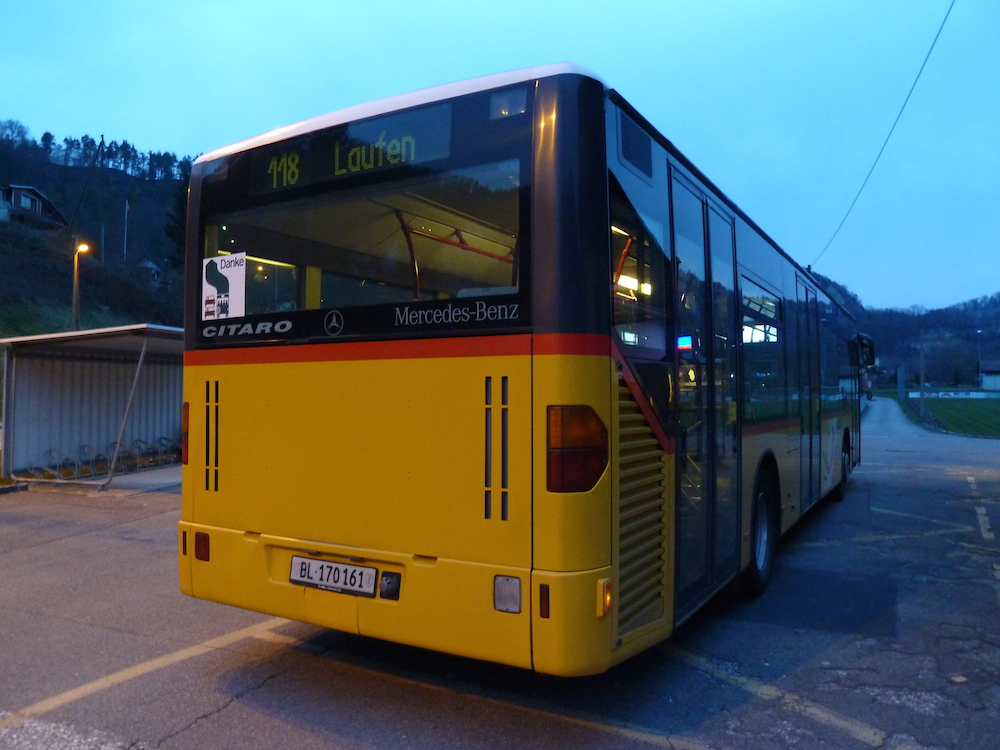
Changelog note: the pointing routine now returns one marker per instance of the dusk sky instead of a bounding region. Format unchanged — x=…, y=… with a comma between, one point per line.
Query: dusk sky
x=784, y=104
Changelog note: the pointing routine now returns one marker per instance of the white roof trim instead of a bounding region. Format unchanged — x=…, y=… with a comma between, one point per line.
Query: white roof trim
x=400, y=101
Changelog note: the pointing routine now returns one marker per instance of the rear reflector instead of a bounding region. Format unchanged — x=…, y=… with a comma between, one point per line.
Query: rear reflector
x=577, y=448
x=543, y=601
x=202, y=549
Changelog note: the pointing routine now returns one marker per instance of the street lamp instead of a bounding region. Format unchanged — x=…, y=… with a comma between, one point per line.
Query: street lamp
x=81, y=248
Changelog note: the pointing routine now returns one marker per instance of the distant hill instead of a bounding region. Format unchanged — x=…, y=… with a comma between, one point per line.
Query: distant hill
x=139, y=280
x=954, y=339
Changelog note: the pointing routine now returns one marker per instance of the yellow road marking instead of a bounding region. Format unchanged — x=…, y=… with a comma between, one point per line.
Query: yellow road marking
x=272, y=637
x=130, y=673
x=637, y=734
x=856, y=729
x=979, y=548
x=952, y=528
x=865, y=733
x=263, y=631
x=884, y=537
x=938, y=521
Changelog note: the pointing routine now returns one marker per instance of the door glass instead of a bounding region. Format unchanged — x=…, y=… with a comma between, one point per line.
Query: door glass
x=641, y=282
x=693, y=348
x=726, y=462
x=809, y=393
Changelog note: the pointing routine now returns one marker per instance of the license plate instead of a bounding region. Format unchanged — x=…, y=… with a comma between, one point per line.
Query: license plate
x=333, y=576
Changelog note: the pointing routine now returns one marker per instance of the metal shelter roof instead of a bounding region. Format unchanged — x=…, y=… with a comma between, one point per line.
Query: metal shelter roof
x=104, y=341
x=84, y=404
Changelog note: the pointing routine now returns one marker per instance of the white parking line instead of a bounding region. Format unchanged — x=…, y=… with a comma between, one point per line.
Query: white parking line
x=984, y=523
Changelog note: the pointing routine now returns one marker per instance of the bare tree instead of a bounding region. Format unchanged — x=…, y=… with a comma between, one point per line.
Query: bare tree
x=13, y=131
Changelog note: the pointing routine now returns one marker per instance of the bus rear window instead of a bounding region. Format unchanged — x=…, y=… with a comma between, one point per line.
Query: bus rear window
x=435, y=238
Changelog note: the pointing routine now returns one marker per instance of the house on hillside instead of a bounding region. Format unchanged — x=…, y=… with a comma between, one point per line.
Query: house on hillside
x=25, y=204
x=989, y=375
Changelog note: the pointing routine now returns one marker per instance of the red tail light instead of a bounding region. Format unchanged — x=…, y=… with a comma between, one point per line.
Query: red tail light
x=185, y=417
x=577, y=448
x=202, y=546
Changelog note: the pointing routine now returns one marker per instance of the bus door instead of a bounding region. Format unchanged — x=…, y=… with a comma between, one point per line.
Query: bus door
x=707, y=520
x=809, y=393
x=725, y=428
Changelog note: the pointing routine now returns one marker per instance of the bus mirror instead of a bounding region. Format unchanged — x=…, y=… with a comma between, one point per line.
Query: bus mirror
x=866, y=350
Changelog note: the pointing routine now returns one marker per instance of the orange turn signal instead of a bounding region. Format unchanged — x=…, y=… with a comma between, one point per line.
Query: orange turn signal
x=603, y=597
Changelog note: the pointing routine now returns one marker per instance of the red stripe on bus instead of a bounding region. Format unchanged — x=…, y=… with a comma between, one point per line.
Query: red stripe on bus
x=571, y=343
x=474, y=346
x=640, y=399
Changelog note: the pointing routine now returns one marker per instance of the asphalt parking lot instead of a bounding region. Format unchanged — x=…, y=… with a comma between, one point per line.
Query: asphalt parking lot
x=881, y=630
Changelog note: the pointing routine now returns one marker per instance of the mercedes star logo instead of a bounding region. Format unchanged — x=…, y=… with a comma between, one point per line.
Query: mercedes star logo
x=334, y=323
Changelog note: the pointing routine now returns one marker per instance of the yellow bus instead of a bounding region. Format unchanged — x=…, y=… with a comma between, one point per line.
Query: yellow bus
x=492, y=369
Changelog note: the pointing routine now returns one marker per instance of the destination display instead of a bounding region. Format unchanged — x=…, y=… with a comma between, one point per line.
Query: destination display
x=382, y=143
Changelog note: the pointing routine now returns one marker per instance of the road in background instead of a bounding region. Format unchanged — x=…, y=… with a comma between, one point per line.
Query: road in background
x=881, y=630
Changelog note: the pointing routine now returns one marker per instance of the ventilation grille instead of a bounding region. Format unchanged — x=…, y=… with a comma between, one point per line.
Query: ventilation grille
x=211, y=436
x=640, y=572
x=504, y=449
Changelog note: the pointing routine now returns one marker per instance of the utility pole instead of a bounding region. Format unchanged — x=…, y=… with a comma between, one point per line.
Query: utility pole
x=979, y=358
x=923, y=412
x=125, y=241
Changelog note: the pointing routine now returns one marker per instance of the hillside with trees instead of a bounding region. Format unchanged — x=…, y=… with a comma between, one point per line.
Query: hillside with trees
x=954, y=339
x=126, y=204
x=134, y=275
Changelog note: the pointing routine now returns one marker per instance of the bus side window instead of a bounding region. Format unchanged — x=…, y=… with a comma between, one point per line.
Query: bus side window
x=638, y=281
x=763, y=354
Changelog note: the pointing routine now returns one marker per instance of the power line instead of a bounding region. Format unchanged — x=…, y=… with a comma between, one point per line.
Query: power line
x=885, y=143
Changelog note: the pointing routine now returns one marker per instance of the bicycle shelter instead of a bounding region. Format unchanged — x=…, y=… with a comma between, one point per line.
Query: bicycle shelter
x=81, y=406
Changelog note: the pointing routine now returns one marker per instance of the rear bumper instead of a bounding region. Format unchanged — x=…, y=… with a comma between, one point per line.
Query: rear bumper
x=444, y=605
